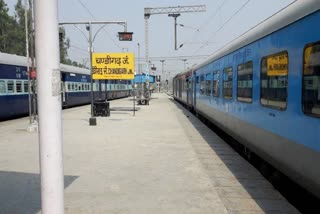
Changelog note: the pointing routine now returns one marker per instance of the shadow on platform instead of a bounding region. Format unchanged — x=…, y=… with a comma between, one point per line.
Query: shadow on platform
x=20, y=192
x=124, y=109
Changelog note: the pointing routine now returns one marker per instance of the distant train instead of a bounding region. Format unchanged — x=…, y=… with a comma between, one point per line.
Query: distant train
x=263, y=89
x=75, y=87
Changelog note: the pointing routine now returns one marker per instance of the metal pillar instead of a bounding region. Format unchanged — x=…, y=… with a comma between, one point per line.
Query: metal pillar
x=139, y=64
x=49, y=105
x=175, y=16
x=146, y=18
x=92, y=120
x=184, y=64
x=171, y=11
x=162, y=75
x=27, y=53
x=146, y=43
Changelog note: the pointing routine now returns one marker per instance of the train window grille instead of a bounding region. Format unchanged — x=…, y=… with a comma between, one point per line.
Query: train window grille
x=208, y=84
x=18, y=86
x=25, y=86
x=216, y=84
x=97, y=87
x=244, y=82
x=202, y=84
x=311, y=80
x=185, y=86
x=180, y=88
x=2, y=87
x=274, y=81
x=10, y=86
x=227, y=83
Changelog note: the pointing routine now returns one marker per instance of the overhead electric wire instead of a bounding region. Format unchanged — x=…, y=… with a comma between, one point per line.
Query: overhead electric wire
x=78, y=48
x=224, y=24
x=205, y=23
x=173, y=58
x=110, y=37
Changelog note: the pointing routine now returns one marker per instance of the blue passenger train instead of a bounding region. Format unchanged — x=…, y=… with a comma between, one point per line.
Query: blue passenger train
x=75, y=87
x=263, y=89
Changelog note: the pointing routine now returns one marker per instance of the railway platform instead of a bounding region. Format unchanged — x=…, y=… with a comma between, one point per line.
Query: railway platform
x=162, y=160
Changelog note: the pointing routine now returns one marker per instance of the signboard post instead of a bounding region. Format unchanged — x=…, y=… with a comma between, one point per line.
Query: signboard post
x=113, y=66
x=119, y=66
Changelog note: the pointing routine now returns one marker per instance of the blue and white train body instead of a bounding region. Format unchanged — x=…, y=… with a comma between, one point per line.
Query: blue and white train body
x=75, y=87
x=264, y=90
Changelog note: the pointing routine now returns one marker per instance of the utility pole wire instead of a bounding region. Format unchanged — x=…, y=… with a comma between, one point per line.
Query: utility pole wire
x=203, y=26
x=206, y=23
x=224, y=24
x=110, y=37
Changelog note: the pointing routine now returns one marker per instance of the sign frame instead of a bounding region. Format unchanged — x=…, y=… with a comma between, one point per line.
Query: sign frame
x=113, y=66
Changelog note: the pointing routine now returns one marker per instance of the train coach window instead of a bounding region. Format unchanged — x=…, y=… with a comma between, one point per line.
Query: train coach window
x=25, y=86
x=311, y=80
x=2, y=87
x=18, y=87
x=208, y=84
x=274, y=80
x=202, y=84
x=10, y=86
x=216, y=84
x=227, y=83
x=244, y=82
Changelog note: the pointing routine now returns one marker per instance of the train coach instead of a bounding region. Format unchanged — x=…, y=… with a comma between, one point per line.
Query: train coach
x=263, y=89
x=75, y=87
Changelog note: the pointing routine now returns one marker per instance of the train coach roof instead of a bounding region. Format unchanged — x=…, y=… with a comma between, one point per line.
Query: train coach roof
x=72, y=69
x=293, y=12
x=182, y=74
x=10, y=59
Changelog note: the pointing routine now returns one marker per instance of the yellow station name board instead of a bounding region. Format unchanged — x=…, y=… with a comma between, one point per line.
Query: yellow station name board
x=113, y=66
x=277, y=65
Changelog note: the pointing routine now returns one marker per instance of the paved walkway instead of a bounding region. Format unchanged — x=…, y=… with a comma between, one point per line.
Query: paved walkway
x=163, y=160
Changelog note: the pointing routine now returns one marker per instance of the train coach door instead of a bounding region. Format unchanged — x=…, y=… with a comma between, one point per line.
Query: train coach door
x=63, y=93
x=64, y=84
x=194, y=90
x=189, y=90
x=102, y=92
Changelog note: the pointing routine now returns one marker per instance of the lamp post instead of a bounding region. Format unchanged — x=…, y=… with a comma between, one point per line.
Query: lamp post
x=175, y=16
x=122, y=37
x=139, y=67
x=184, y=64
x=92, y=120
x=162, y=76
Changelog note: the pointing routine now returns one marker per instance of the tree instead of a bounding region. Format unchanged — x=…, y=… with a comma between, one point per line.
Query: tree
x=7, y=26
x=64, y=43
x=19, y=34
x=13, y=36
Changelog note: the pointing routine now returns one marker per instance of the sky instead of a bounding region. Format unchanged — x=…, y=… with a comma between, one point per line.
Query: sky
x=203, y=32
